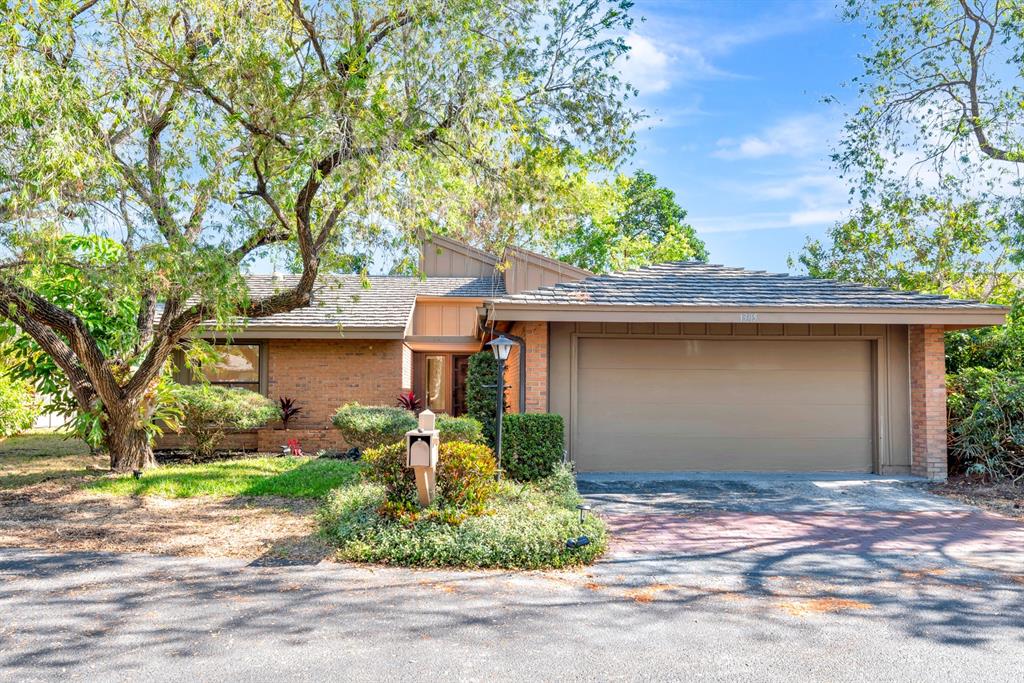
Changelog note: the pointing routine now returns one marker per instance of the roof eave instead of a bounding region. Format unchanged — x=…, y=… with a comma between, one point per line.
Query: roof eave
x=305, y=332
x=964, y=317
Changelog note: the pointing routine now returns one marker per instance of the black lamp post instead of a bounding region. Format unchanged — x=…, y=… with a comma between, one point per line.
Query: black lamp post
x=501, y=347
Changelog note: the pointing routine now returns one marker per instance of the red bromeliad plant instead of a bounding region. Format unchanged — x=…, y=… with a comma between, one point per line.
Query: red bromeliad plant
x=409, y=401
x=288, y=409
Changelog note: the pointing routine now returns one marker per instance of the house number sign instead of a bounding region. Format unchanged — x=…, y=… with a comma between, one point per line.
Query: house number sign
x=748, y=317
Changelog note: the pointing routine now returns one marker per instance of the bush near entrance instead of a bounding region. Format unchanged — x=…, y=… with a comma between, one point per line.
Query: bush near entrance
x=532, y=445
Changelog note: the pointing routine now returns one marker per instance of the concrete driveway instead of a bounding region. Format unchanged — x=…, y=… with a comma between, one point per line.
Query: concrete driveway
x=708, y=579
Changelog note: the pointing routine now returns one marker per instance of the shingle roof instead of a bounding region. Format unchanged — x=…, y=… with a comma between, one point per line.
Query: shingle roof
x=687, y=283
x=386, y=303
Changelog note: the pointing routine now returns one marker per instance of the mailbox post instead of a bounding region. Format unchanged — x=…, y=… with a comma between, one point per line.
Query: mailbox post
x=421, y=455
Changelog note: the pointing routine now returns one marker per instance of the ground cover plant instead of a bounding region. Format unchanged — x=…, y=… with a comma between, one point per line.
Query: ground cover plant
x=284, y=476
x=523, y=526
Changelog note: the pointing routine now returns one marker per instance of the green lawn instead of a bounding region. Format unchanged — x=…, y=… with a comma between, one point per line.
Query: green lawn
x=284, y=476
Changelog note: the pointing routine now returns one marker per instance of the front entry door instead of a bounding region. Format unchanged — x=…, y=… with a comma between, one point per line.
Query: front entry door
x=460, y=368
x=440, y=381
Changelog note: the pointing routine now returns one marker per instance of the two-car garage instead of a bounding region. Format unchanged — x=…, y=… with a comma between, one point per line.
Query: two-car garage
x=687, y=366
x=713, y=404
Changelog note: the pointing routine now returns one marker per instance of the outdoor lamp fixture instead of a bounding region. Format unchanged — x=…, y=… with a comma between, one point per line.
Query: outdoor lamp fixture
x=501, y=346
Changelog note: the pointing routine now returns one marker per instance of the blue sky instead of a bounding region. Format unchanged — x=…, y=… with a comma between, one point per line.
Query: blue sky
x=737, y=125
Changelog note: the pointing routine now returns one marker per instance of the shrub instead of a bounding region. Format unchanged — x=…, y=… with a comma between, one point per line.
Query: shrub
x=481, y=392
x=532, y=445
x=986, y=422
x=527, y=528
x=462, y=428
x=372, y=426
x=209, y=412
x=465, y=477
x=18, y=407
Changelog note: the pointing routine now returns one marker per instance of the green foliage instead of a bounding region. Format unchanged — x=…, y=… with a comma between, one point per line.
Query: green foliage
x=19, y=407
x=986, y=422
x=926, y=243
x=372, y=426
x=532, y=445
x=482, y=392
x=68, y=271
x=941, y=84
x=285, y=476
x=209, y=412
x=463, y=428
x=465, y=480
x=633, y=223
x=359, y=127
x=526, y=528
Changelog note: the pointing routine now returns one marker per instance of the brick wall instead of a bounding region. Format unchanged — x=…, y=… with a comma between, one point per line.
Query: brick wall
x=928, y=401
x=322, y=374
x=535, y=334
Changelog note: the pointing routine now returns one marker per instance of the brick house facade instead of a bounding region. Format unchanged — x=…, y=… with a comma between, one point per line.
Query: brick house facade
x=874, y=386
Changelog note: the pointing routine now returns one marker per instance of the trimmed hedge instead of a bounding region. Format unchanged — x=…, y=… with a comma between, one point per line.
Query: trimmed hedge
x=532, y=446
x=209, y=412
x=372, y=426
x=462, y=428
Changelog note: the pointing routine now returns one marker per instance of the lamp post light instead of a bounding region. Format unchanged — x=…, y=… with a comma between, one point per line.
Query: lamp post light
x=501, y=347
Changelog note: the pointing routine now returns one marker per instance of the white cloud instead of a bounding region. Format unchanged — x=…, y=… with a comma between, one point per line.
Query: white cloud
x=646, y=67
x=795, y=136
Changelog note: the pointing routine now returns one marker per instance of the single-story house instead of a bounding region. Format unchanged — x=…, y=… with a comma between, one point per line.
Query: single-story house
x=676, y=366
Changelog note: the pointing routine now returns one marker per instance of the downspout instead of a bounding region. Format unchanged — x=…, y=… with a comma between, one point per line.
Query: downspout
x=522, y=360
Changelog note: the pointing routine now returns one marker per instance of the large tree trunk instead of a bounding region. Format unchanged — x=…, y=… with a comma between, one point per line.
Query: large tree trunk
x=127, y=445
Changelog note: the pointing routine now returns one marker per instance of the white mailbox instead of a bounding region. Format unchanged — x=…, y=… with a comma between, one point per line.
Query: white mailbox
x=421, y=448
x=421, y=455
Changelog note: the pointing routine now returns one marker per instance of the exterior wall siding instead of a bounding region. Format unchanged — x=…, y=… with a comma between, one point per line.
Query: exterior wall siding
x=928, y=401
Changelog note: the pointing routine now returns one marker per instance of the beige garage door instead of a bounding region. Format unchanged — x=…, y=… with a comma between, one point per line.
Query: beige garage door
x=674, y=404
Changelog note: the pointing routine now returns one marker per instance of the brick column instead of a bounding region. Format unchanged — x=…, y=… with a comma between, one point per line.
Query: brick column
x=928, y=401
x=535, y=334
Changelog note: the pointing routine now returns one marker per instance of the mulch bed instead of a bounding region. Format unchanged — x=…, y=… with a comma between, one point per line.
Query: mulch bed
x=59, y=515
x=1004, y=498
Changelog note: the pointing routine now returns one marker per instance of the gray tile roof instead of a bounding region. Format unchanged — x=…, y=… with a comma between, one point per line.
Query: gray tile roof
x=386, y=303
x=684, y=283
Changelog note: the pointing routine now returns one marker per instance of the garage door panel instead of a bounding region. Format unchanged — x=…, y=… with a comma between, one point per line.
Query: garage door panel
x=717, y=455
x=696, y=387
x=663, y=354
x=710, y=421
x=723, y=405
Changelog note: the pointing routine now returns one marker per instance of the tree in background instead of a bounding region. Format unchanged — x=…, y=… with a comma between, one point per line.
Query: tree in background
x=199, y=136
x=630, y=222
x=933, y=153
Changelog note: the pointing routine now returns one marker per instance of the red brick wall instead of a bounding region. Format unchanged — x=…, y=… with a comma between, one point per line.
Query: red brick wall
x=928, y=401
x=535, y=334
x=322, y=374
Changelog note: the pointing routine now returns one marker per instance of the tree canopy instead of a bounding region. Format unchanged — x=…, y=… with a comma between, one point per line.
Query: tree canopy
x=630, y=222
x=199, y=135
